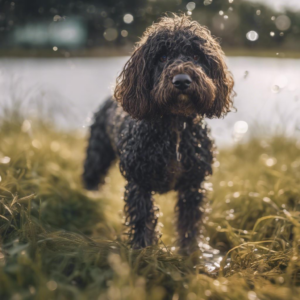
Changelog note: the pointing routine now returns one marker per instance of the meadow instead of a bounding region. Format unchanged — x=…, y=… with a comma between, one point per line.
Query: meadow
x=59, y=241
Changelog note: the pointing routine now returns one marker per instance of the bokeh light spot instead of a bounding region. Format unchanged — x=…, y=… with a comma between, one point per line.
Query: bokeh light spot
x=252, y=295
x=128, y=18
x=52, y=285
x=283, y=22
x=241, y=127
x=207, y=2
x=191, y=6
x=5, y=160
x=275, y=89
x=124, y=33
x=252, y=36
x=110, y=34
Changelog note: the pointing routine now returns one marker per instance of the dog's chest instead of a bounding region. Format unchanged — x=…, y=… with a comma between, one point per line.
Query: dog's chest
x=158, y=156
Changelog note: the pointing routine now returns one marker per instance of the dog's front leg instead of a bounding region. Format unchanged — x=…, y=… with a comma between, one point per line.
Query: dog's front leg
x=140, y=216
x=188, y=219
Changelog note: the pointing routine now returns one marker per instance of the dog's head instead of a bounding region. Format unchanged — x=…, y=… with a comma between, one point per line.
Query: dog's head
x=176, y=68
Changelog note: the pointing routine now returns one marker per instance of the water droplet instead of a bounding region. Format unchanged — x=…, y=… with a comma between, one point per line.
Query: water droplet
x=128, y=18
x=52, y=285
x=5, y=160
x=36, y=144
x=56, y=18
x=110, y=34
x=252, y=295
x=207, y=293
x=191, y=6
x=26, y=126
x=280, y=279
x=124, y=33
x=32, y=290
x=275, y=89
x=283, y=22
x=216, y=282
x=252, y=36
x=241, y=127
x=270, y=162
x=207, y=2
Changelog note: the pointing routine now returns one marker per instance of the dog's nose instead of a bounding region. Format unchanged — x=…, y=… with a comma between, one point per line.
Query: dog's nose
x=182, y=81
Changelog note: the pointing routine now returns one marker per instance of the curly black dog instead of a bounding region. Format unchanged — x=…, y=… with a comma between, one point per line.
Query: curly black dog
x=155, y=126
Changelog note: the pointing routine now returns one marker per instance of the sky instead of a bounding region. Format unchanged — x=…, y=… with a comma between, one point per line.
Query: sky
x=278, y=4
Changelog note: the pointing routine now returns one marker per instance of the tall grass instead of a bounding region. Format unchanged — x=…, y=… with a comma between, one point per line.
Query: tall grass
x=59, y=241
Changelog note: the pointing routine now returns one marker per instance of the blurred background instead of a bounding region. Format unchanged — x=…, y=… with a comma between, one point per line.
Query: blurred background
x=65, y=55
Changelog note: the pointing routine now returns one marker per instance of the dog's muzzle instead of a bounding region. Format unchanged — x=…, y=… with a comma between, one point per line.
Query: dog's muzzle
x=181, y=81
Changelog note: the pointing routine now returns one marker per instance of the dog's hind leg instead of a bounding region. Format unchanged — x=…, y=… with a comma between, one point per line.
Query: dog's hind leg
x=100, y=153
x=189, y=219
x=140, y=216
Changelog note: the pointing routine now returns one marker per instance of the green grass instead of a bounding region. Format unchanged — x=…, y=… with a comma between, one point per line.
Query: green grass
x=59, y=241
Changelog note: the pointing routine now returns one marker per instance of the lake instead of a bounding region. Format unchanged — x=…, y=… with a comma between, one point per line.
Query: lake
x=268, y=91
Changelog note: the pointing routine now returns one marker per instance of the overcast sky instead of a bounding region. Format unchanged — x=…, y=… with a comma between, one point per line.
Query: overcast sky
x=278, y=4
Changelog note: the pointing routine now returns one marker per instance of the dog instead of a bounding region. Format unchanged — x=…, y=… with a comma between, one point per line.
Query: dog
x=154, y=124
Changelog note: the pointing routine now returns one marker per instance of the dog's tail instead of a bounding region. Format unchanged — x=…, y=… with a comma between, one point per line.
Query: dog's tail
x=100, y=153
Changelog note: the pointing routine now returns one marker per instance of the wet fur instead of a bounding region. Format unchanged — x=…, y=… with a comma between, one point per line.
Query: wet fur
x=159, y=133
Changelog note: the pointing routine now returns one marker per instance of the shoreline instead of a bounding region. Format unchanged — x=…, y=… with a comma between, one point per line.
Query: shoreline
x=126, y=51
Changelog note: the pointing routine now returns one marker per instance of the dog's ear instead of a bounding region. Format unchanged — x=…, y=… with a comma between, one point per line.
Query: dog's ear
x=133, y=85
x=224, y=86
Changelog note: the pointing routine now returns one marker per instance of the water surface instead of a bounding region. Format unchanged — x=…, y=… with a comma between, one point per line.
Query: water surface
x=267, y=90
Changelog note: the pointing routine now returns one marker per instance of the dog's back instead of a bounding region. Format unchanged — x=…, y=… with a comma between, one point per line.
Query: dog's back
x=100, y=153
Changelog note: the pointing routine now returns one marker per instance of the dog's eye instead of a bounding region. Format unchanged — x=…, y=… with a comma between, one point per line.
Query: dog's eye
x=163, y=58
x=196, y=57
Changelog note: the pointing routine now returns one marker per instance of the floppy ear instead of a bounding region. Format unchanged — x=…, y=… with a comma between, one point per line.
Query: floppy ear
x=224, y=87
x=133, y=85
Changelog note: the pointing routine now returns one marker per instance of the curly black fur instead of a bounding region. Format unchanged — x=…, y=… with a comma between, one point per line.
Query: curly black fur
x=158, y=132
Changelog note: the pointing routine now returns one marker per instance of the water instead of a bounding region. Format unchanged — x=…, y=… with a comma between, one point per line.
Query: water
x=268, y=91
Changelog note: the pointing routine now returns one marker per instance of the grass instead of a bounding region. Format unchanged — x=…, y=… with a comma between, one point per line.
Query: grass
x=59, y=241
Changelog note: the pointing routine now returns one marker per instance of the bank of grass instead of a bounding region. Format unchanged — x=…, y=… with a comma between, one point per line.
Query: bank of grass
x=60, y=242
